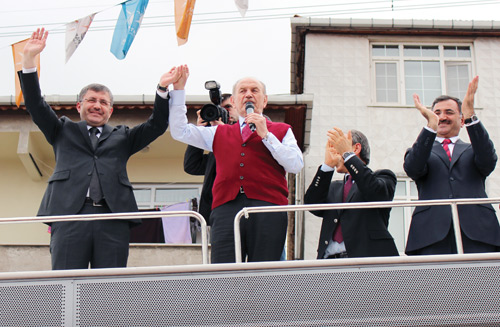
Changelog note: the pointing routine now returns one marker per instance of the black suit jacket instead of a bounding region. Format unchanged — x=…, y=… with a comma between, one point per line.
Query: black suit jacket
x=196, y=162
x=75, y=157
x=428, y=165
x=364, y=230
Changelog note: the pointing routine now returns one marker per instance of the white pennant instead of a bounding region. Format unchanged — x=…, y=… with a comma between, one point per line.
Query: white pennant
x=242, y=6
x=75, y=32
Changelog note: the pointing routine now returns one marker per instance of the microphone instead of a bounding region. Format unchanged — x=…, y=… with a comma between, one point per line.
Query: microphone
x=250, y=108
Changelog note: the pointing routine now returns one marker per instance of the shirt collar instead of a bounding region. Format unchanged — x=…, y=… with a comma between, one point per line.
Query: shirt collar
x=453, y=139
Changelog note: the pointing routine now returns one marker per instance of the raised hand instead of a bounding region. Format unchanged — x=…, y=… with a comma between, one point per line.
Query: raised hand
x=170, y=77
x=332, y=157
x=468, y=103
x=181, y=82
x=432, y=118
x=341, y=142
x=34, y=46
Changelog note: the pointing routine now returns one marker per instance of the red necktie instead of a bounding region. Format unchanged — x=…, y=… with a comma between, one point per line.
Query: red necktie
x=337, y=234
x=246, y=132
x=446, y=148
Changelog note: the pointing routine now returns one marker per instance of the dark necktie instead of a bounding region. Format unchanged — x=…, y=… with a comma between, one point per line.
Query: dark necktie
x=446, y=148
x=95, y=191
x=246, y=132
x=337, y=234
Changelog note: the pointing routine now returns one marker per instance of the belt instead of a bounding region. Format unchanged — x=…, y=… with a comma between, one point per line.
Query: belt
x=338, y=255
x=101, y=203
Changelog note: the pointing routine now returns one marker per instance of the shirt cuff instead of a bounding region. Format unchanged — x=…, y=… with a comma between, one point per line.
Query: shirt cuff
x=178, y=97
x=472, y=123
x=430, y=129
x=163, y=95
x=29, y=70
x=325, y=168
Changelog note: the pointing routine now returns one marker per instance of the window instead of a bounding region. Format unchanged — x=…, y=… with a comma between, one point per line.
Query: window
x=153, y=196
x=399, y=221
x=400, y=70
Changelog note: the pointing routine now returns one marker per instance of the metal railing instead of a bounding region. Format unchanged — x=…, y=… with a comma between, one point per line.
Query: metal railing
x=123, y=216
x=245, y=212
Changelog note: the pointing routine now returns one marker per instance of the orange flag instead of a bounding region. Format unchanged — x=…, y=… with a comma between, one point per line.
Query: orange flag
x=17, y=51
x=183, y=16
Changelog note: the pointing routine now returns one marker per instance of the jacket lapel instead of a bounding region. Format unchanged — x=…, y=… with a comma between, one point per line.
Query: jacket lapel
x=106, y=132
x=458, y=150
x=439, y=151
x=82, y=125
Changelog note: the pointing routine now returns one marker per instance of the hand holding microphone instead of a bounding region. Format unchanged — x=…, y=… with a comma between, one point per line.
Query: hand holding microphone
x=249, y=107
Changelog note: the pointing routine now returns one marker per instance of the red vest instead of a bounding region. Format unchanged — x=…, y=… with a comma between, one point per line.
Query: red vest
x=249, y=164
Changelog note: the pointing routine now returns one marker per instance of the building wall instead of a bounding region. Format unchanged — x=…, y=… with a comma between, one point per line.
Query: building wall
x=337, y=72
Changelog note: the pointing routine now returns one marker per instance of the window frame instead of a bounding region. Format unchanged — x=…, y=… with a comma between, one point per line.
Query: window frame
x=400, y=59
x=153, y=187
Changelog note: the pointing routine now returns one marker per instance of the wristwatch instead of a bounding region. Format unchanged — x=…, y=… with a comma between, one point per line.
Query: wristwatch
x=471, y=119
x=162, y=88
x=346, y=155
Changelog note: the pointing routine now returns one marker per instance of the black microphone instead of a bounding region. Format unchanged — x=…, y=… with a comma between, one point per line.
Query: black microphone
x=249, y=108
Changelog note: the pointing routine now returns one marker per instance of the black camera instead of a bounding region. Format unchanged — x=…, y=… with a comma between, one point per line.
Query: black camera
x=211, y=112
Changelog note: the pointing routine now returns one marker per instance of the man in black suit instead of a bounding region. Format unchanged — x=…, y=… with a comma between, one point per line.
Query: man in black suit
x=90, y=176
x=198, y=163
x=352, y=232
x=444, y=167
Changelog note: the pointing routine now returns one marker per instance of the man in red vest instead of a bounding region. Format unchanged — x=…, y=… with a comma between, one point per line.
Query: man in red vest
x=252, y=158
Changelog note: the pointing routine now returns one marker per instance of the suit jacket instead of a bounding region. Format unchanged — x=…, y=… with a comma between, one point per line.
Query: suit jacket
x=428, y=165
x=196, y=162
x=75, y=156
x=364, y=230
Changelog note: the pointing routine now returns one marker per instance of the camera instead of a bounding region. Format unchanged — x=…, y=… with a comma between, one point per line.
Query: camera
x=214, y=111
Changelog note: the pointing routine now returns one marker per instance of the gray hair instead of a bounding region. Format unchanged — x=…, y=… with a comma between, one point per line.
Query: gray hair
x=259, y=81
x=358, y=137
x=96, y=88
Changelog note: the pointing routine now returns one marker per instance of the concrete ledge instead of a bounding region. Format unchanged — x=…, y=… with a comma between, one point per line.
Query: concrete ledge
x=37, y=257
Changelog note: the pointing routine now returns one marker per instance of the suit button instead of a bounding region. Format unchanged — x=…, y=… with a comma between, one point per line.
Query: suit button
x=241, y=177
x=95, y=157
x=243, y=154
x=452, y=179
x=335, y=220
x=242, y=164
x=244, y=144
x=326, y=242
x=90, y=173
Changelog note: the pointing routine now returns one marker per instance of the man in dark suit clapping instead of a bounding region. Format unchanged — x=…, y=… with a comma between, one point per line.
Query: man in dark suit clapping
x=444, y=167
x=352, y=232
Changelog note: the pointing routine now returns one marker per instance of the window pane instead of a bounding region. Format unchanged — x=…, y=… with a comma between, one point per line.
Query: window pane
x=386, y=82
x=413, y=189
x=423, y=78
x=400, y=189
x=175, y=195
x=378, y=50
x=457, y=79
x=397, y=227
x=385, y=50
x=142, y=195
x=461, y=52
x=464, y=52
x=412, y=51
x=430, y=51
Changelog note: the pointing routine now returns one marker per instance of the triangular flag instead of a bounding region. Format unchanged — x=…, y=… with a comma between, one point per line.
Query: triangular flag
x=17, y=51
x=242, y=6
x=183, y=15
x=127, y=26
x=75, y=32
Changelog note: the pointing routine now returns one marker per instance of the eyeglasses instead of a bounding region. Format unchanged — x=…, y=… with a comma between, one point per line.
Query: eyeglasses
x=103, y=102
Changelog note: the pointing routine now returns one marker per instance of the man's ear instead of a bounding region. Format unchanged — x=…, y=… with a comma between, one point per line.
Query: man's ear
x=78, y=107
x=356, y=148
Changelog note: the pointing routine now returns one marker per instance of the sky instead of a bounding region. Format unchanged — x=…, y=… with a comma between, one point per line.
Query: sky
x=222, y=45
